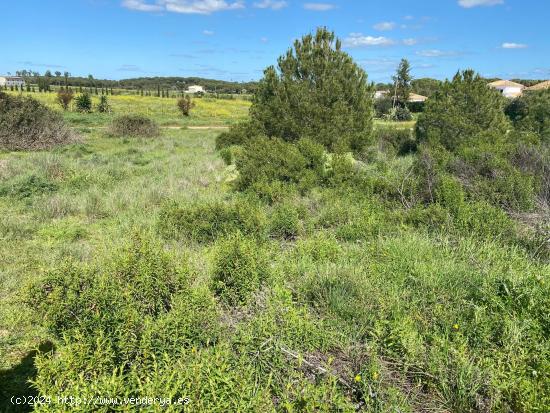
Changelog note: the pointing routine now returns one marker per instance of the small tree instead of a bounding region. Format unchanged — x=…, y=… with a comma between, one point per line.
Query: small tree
x=64, y=98
x=185, y=104
x=318, y=92
x=402, y=81
x=103, y=106
x=462, y=112
x=84, y=103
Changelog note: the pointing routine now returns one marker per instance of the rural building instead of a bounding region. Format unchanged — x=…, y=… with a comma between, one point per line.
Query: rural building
x=508, y=88
x=12, y=81
x=413, y=98
x=539, y=86
x=379, y=94
x=196, y=89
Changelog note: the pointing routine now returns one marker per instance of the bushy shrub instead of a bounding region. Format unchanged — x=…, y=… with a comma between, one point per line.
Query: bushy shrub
x=64, y=98
x=318, y=92
x=81, y=303
x=238, y=134
x=461, y=113
x=267, y=160
x=26, y=124
x=383, y=106
x=484, y=220
x=134, y=126
x=185, y=104
x=535, y=114
x=240, y=266
x=285, y=222
x=83, y=103
x=229, y=154
x=204, y=222
x=397, y=140
x=400, y=114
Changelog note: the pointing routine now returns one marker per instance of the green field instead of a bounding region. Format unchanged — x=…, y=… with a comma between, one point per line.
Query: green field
x=207, y=111
x=368, y=305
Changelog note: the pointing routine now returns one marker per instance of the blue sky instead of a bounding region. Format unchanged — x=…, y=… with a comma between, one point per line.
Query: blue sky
x=237, y=39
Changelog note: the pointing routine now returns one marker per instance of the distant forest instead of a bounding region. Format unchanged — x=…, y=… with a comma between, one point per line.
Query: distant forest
x=141, y=83
x=422, y=86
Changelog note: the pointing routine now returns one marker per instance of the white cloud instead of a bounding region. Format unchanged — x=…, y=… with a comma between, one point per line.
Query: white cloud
x=475, y=3
x=184, y=6
x=410, y=42
x=384, y=26
x=140, y=5
x=436, y=53
x=359, y=40
x=271, y=4
x=208, y=32
x=514, y=46
x=319, y=6
x=264, y=39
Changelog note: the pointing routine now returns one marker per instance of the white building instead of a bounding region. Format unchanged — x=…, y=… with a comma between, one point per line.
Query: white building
x=508, y=88
x=12, y=81
x=379, y=94
x=196, y=89
x=415, y=98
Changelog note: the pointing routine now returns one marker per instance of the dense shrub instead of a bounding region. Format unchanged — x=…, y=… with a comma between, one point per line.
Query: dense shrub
x=400, y=114
x=383, y=106
x=82, y=304
x=240, y=266
x=535, y=114
x=26, y=124
x=204, y=222
x=395, y=140
x=285, y=222
x=267, y=160
x=83, y=103
x=134, y=126
x=319, y=93
x=238, y=134
x=463, y=112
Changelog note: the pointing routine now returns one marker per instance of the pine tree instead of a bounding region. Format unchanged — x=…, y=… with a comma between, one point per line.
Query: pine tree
x=463, y=112
x=402, y=83
x=318, y=92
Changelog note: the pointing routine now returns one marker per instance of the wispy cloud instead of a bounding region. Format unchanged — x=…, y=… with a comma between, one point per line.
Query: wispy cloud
x=208, y=32
x=36, y=64
x=129, y=68
x=514, y=46
x=183, y=6
x=410, y=41
x=437, y=53
x=468, y=4
x=319, y=6
x=384, y=26
x=271, y=4
x=360, y=40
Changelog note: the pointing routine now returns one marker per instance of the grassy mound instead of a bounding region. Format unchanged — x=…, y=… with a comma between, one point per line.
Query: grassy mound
x=134, y=125
x=26, y=124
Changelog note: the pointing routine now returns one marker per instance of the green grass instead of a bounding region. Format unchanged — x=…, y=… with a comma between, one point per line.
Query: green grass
x=346, y=304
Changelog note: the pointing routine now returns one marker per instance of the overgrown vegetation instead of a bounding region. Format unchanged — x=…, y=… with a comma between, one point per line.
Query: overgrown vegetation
x=303, y=273
x=26, y=124
x=134, y=126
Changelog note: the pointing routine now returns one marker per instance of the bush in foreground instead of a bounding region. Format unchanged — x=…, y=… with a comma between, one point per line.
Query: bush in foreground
x=240, y=266
x=134, y=126
x=26, y=124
